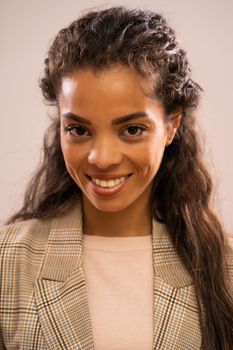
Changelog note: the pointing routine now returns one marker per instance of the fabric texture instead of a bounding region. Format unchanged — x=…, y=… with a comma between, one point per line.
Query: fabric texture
x=43, y=294
x=119, y=280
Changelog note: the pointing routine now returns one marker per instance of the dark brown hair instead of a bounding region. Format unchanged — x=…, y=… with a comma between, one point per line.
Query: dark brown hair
x=143, y=41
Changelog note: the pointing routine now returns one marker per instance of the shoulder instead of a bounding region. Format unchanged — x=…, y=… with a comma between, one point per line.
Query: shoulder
x=23, y=241
x=24, y=231
x=22, y=250
x=230, y=255
x=230, y=241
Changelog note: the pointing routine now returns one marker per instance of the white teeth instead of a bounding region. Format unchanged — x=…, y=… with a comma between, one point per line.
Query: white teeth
x=103, y=183
x=110, y=183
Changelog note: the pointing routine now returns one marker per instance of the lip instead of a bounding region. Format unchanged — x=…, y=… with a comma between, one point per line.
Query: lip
x=107, y=176
x=105, y=191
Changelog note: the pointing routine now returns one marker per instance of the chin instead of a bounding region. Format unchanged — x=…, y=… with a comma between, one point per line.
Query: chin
x=110, y=207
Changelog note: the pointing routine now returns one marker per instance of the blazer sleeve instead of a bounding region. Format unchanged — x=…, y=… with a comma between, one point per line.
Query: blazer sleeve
x=3, y=238
x=230, y=257
x=22, y=247
x=4, y=232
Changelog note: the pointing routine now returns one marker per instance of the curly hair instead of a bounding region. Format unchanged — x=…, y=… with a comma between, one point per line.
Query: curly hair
x=143, y=41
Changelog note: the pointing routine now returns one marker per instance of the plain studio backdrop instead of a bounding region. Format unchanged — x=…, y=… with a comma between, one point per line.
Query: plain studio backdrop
x=204, y=29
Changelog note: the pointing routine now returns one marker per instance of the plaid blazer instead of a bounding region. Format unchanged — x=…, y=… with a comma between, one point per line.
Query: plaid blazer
x=44, y=302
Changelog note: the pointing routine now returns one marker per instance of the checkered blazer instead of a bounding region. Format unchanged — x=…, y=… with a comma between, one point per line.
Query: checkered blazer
x=43, y=293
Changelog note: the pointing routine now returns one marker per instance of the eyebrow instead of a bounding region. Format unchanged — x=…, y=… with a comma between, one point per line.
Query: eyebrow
x=116, y=121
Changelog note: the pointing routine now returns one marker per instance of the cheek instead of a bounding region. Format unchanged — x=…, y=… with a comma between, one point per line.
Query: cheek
x=150, y=155
x=72, y=162
x=70, y=155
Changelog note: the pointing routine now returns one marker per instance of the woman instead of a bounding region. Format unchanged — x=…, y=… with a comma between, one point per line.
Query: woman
x=116, y=245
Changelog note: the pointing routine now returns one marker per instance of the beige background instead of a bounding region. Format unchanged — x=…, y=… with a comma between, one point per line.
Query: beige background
x=205, y=29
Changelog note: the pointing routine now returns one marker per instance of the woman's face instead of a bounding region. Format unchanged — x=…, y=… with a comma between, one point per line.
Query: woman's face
x=113, y=137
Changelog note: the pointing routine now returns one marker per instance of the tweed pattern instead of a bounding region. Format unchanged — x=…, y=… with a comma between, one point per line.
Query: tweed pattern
x=43, y=296
x=22, y=248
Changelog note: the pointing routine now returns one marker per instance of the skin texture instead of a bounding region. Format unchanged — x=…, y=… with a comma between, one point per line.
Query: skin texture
x=103, y=148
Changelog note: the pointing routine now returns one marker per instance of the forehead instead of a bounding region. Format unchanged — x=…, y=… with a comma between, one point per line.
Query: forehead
x=113, y=82
x=116, y=91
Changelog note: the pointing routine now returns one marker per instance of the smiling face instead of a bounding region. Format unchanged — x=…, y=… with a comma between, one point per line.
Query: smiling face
x=113, y=137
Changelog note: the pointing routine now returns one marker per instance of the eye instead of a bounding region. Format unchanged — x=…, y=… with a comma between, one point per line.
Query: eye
x=134, y=130
x=76, y=130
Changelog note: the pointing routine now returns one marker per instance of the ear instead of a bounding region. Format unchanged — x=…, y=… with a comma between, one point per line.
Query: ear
x=172, y=126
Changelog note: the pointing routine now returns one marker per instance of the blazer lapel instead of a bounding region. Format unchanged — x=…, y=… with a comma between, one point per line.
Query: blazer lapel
x=60, y=292
x=176, y=320
x=61, y=296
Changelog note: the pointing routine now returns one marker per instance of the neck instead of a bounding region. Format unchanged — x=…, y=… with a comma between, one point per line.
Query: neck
x=132, y=221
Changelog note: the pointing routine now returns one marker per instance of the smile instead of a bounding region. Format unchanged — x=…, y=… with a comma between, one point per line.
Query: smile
x=108, y=186
x=109, y=183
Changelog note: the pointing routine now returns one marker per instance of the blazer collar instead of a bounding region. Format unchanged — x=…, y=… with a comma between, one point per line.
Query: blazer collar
x=61, y=296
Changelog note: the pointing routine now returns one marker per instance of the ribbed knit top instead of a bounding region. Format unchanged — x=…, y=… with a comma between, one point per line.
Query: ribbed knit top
x=119, y=279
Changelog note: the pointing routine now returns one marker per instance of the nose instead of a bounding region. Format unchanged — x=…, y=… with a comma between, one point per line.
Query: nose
x=104, y=153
